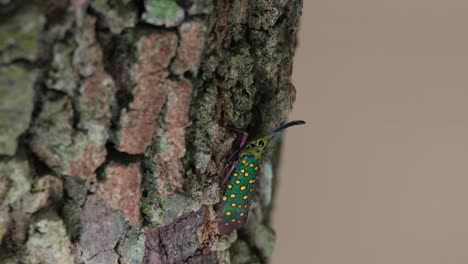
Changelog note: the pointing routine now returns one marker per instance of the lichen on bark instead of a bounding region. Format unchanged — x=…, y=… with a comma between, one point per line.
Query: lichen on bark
x=114, y=122
x=19, y=46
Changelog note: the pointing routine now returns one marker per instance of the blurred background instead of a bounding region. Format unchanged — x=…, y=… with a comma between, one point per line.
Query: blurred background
x=380, y=172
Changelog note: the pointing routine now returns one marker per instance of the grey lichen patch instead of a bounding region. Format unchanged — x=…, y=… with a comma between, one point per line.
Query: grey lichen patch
x=264, y=239
x=94, y=106
x=239, y=89
x=202, y=114
x=16, y=105
x=16, y=173
x=225, y=242
x=5, y=222
x=239, y=71
x=163, y=13
x=47, y=191
x=74, y=198
x=242, y=254
x=201, y=160
x=74, y=189
x=151, y=202
x=132, y=247
x=61, y=75
x=150, y=208
x=210, y=194
x=175, y=205
x=48, y=241
x=116, y=15
x=62, y=148
x=267, y=14
x=53, y=129
x=162, y=211
x=54, y=123
x=271, y=55
x=19, y=34
x=199, y=7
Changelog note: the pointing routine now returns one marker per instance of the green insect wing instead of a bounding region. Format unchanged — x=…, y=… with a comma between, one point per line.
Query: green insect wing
x=239, y=191
x=234, y=208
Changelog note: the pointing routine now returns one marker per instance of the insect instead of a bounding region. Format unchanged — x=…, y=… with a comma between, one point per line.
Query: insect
x=243, y=174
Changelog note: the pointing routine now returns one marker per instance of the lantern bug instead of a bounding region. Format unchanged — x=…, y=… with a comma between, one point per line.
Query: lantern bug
x=242, y=175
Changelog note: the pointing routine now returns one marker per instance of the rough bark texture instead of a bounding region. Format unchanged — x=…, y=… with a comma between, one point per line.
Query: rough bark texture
x=114, y=119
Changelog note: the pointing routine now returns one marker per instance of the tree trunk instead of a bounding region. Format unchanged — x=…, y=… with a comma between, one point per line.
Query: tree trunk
x=114, y=121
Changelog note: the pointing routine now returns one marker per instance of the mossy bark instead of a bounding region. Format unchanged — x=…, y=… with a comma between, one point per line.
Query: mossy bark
x=114, y=121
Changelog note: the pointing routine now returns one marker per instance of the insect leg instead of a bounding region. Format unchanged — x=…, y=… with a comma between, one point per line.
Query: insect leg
x=231, y=167
x=232, y=157
x=245, y=135
x=226, y=177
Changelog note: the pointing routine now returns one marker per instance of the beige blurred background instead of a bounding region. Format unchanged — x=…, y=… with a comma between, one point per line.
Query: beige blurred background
x=380, y=173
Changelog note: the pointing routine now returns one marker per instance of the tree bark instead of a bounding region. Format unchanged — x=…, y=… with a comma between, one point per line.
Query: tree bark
x=114, y=121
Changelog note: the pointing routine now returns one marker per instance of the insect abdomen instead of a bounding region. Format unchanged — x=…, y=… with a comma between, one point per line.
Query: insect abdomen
x=239, y=191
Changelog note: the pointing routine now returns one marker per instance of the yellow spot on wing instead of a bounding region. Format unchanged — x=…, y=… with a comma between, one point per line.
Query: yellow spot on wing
x=227, y=224
x=233, y=220
x=246, y=174
x=233, y=195
x=237, y=182
x=244, y=161
x=224, y=198
x=229, y=186
x=233, y=204
x=256, y=168
x=251, y=165
x=228, y=213
x=240, y=206
x=243, y=187
x=242, y=170
x=241, y=214
x=245, y=197
x=251, y=181
x=235, y=174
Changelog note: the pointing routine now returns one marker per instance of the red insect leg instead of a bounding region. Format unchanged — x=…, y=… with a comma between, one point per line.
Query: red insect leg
x=232, y=158
x=245, y=135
